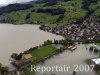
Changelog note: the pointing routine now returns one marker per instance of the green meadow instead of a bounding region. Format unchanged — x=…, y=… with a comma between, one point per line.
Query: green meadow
x=43, y=52
x=73, y=13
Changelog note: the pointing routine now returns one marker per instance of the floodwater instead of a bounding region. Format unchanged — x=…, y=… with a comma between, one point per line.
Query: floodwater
x=19, y=38
x=74, y=60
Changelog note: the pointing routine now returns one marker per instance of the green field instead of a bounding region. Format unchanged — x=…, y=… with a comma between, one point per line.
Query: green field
x=42, y=52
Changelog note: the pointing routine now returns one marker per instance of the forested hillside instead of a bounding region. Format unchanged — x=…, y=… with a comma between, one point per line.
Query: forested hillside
x=52, y=12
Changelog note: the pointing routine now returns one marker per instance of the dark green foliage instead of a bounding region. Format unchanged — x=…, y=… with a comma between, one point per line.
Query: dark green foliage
x=14, y=7
x=28, y=16
x=53, y=11
x=86, y=3
x=50, y=3
x=3, y=70
x=97, y=68
x=48, y=42
x=32, y=49
x=19, y=56
x=14, y=55
x=60, y=18
x=91, y=48
x=46, y=1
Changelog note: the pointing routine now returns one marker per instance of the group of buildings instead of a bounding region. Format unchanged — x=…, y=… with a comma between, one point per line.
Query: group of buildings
x=89, y=30
x=76, y=32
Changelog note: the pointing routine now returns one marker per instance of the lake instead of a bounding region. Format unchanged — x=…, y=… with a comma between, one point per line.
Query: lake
x=19, y=38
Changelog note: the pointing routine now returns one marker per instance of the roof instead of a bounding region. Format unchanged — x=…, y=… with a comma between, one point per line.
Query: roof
x=96, y=61
x=27, y=56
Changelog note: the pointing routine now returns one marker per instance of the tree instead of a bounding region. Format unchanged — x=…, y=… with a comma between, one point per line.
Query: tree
x=53, y=74
x=28, y=16
x=56, y=42
x=19, y=56
x=14, y=55
x=97, y=68
x=3, y=70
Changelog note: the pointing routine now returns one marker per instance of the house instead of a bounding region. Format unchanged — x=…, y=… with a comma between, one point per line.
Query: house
x=72, y=48
x=96, y=61
x=21, y=64
x=26, y=56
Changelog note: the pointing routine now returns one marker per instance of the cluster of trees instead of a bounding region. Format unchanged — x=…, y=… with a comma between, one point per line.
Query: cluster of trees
x=49, y=1
x=14, y=7
x=3, y=70
x=27, y=16
x=60, y=18
x=61, y=49
x=48, y=42
x=53, y=11
x=86, y=3
x=97, y=39
x=97, y=68
x=94, y=48
x=86, y=41
x=67, y=42
x=17, y=56
x=6, y=19
x=46, y=1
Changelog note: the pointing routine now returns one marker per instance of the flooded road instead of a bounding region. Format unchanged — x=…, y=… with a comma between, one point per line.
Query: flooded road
x=70, y=59
x=19, y=38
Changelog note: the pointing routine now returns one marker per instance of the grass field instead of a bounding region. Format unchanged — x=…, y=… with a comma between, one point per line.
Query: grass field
x=43, y=18
x=42, y=52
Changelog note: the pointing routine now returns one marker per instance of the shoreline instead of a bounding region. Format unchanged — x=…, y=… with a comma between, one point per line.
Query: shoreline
x=21, y=33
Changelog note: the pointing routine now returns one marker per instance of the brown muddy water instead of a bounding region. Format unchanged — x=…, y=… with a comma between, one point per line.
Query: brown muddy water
x=70, y=59
x=19, y=38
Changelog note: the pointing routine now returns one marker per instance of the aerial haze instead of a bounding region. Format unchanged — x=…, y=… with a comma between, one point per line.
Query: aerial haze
x=6, y=2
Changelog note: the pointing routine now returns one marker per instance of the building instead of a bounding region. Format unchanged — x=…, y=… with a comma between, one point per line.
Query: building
x=21, y=64
x=96, y=61
x=26, y=56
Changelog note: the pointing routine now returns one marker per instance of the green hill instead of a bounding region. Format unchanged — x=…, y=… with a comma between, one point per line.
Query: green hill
x=58, y=12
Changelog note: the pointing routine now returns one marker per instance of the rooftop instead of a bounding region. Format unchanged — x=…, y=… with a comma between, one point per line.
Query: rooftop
x=96, y=61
